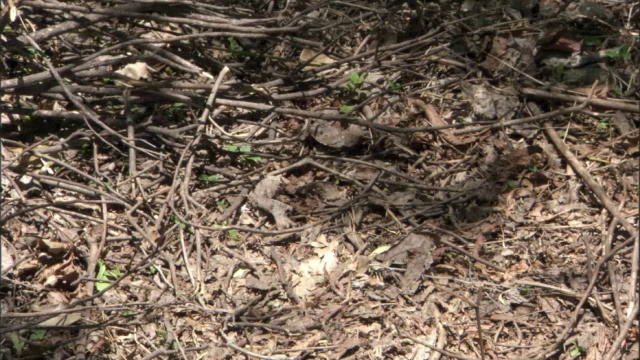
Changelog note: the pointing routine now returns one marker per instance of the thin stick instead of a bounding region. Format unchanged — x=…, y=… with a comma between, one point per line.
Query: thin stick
x=586, y=177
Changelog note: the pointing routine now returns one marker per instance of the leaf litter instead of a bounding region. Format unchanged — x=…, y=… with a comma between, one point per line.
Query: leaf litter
x=364, y=182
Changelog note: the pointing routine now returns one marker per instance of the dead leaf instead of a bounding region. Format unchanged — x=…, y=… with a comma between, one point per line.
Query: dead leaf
x=56, y=248
x=415, y=252
x=135, y=71
x=262, y=197
x=490, y=105
x=313, y=270
x=62, y=319
x=436, y=120
x=333, y=135
x=7, y=257
x=263, y=283
x=317, y=59
x=60, y=274
x=327, y=192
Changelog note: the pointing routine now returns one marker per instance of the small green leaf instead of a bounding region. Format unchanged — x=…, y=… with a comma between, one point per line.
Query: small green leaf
x=577, y=350
x=255, y=159
x=592, y=41
x=37, y=334
x=348, y=88
x=175, y=107
x=222, y=204
x=18, y=344
x=392, y=85
x=533, y=168
x=102, y=268
x=101, y=285
x=356, y=79
x=176, y=220
x=524, y=290
x=346, y=109
x=84, y=150
x=620, y=53
x=233, y=234
x=113, y=274
x=618, y=91
x=245, y=148
x=105, y=276
x=209, y=178
x=512, y=184
x=230, y=147
x=233, y=44
x=152, y=270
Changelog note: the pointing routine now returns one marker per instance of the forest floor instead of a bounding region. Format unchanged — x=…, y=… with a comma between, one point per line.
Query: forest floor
x=194, y=179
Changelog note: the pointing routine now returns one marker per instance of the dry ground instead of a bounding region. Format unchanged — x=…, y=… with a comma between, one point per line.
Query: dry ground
x=319, y=180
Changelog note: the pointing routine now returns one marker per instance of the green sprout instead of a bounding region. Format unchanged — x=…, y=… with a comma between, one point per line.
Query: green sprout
x=355, y=81
x=234, y=47
x=17, y=342
x=177, y=220
x=346, y=109
x=577, y=350
x=105, y=276
x=222, y=204
x=621, y=53
x=394, y=86
x=245, y=150
x=37, y=334
x=209, y=178
x=231, y=233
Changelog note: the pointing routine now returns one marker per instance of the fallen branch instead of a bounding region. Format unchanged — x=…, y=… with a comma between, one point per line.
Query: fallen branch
x=609, y=104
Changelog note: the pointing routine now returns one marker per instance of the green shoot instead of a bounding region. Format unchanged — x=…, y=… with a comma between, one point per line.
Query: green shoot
x=209, y=178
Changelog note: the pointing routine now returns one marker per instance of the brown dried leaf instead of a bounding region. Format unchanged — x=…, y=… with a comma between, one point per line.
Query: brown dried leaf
x=8, y=256
x=415, y=251
x=262, y=197
x=56, y=248
x=333, y=135
x=490, y=105
x=436, y=120
x=135, y=71
x=325, y=191
x=318, y=59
